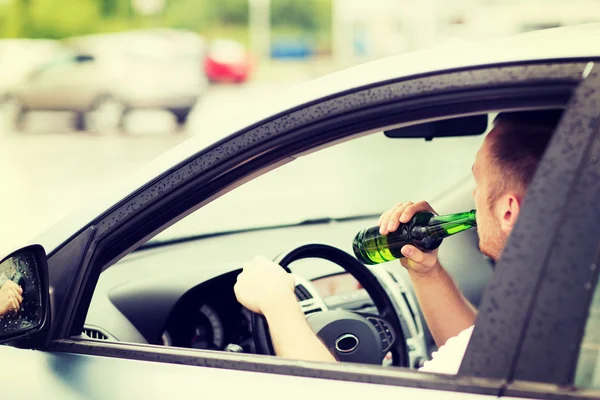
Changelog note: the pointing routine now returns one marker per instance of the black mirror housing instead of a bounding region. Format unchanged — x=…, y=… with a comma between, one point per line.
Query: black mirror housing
x=461, y=126
x=27, y=269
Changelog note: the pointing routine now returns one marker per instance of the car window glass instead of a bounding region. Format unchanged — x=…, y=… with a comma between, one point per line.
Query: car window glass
x=588, y=365
x=363, y=176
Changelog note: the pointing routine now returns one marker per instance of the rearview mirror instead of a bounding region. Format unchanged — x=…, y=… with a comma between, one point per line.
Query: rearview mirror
x=23, y=293
x=461, y=126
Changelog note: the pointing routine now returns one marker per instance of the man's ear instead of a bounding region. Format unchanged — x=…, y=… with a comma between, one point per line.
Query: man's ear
x=508, y=208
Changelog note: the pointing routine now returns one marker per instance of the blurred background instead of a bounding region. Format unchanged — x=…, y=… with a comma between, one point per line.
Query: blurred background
x=93, y=89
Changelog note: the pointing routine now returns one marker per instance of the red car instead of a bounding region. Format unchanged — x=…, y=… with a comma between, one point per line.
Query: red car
x=227, y=61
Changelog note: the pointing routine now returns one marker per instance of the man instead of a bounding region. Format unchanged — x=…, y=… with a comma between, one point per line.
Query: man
x=11, y=297
x=504, y=166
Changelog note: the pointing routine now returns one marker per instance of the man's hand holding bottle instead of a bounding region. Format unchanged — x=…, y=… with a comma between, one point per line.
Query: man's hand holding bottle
x=415, y=261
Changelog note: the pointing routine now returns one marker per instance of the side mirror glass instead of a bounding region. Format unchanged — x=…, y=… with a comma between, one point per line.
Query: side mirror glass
x=23, y=293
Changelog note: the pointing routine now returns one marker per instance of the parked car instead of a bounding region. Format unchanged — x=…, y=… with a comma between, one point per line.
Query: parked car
x=18, y=58
x=102, y=77
x=227, y=61
x=131, y=296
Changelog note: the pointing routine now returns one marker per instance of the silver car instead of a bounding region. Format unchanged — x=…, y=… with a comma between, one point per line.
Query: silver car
x=102, y=77
x=131, y=296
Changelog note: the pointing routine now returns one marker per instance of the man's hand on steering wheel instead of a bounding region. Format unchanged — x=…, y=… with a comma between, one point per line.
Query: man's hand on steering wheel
x=264, y=285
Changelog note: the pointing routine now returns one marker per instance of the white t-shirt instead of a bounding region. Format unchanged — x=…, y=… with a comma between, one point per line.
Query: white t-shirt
x=448, y=357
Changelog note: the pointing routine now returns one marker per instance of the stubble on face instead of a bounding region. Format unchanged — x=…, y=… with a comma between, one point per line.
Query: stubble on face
x=491, y=237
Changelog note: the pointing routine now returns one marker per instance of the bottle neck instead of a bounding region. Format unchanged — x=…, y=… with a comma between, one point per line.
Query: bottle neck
x=442, y=226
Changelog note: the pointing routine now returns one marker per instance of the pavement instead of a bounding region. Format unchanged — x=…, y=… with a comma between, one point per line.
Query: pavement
x=48, y=170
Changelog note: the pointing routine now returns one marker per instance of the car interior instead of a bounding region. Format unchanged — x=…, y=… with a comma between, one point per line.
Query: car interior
x=177, y=289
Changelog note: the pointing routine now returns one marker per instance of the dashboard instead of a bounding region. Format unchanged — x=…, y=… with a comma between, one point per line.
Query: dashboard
x=198, y=321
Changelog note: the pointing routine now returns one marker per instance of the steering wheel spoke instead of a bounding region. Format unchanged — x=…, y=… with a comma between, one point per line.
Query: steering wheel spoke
x=386, y=333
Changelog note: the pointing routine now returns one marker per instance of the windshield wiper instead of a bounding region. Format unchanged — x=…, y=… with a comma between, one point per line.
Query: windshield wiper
x=314, y=221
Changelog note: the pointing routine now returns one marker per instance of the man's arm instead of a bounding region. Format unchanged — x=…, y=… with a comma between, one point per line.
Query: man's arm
x=446, y=310
x=265, y=288
x=292, y=336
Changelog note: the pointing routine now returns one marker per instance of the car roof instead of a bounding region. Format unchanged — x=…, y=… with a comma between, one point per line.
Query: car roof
x=578, y=42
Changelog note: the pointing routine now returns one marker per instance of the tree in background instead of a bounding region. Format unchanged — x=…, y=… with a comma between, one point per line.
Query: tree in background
x=304, y=16
x=56, y=19
x=306, y=20
x=51, y=19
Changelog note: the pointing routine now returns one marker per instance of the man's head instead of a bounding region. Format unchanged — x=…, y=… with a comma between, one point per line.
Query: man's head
x=503, y=168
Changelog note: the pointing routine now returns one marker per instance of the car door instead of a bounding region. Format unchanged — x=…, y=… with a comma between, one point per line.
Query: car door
x=558, y=239
x=77, y=365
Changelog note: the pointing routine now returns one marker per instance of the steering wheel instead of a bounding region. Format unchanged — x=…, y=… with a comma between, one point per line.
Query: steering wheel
x=349, y=336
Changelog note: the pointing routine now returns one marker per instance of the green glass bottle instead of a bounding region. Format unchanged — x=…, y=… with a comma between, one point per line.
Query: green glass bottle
x=425, y=231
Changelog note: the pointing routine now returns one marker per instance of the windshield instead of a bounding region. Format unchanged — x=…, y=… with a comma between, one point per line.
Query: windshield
x=361, y=177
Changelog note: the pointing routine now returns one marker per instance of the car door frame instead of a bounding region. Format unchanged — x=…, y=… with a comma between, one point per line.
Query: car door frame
x=75, y=266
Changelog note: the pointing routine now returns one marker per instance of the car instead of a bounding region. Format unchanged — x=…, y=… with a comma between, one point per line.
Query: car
x=102, y=77
x=18, y=58
x=227, y=60
x=131, y=296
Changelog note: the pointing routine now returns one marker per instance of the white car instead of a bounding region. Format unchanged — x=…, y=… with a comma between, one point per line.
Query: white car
x=132, y=296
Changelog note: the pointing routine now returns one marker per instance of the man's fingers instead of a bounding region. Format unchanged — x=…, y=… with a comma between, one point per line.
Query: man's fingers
x=385, y=217
x=394, y=222
x=12, y=304
x=380, y=219
x=383, y=221
x=16, y=304
x=411, y=210
x=15, y=294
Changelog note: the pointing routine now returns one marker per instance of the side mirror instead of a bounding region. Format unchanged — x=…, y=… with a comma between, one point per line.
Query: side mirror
x=23, y=293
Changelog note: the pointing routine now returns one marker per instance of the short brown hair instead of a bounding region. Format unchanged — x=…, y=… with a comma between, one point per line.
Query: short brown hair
x=518, y=146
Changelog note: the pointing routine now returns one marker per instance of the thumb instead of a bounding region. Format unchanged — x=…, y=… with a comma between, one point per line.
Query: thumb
x=415, y=257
